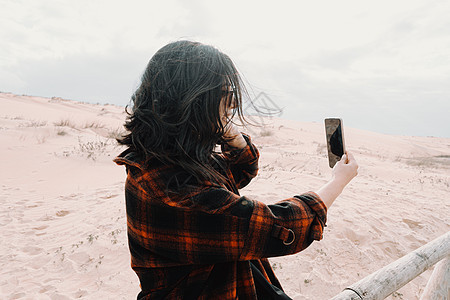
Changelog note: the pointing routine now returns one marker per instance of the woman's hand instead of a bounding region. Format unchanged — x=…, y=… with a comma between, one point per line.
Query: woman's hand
x=234, y=136
x=343, y=172
x=345, y=169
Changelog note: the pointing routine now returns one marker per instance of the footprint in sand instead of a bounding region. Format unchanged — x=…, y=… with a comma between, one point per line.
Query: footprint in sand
x=17, y=296
x=391, y=248
x=40, y=227
x=412, y=224
x=62, y=213
x=32, y=250
x=40, y=262
x=354, y=236
x=80, y=258
x=47, y=288
x=38, y=230
x=46, y=218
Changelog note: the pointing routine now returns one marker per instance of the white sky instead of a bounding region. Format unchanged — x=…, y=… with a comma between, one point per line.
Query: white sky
x=381, y=65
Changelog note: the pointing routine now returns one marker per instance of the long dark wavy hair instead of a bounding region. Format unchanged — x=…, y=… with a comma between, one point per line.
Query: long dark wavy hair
x=175, y=112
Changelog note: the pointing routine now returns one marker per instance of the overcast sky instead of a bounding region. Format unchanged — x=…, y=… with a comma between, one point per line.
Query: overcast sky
x=381, y=65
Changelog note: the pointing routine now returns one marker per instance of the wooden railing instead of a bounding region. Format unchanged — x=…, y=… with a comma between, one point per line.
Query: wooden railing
x=438, y=286
x=392, y=277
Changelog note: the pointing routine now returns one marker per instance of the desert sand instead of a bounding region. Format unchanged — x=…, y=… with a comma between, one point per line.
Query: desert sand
x=62, y=212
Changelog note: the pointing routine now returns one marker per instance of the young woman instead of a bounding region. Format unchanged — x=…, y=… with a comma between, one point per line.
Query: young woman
x=191, y=235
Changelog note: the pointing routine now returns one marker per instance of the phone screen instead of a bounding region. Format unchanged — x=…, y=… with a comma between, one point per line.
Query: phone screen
x=335, y=140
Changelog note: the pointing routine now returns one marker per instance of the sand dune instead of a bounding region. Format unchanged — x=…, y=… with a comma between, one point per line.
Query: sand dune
x=63, y=221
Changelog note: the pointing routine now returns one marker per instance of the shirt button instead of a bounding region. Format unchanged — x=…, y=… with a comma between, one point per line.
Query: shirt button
x=244, y=202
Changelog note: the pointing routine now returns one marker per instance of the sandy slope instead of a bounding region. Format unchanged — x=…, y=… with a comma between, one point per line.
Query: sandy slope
x=63, y=222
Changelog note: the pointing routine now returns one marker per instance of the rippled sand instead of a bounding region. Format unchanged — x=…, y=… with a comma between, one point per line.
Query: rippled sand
x=63, y=221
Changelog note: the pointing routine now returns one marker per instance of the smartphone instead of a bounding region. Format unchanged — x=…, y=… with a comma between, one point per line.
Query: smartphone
x=335, y=140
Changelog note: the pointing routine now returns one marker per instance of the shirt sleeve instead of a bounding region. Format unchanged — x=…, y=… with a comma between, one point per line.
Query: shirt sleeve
x=242, y=163
x=221, y=226
x=286, y=227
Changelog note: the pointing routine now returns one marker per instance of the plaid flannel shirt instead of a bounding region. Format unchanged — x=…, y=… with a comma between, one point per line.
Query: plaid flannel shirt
x=199, y=245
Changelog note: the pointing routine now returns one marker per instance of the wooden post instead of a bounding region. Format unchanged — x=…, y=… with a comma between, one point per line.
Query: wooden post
x=438, y=286
x=390, y=278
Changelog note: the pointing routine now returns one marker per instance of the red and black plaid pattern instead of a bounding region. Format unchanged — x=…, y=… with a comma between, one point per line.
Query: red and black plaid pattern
x=199, y=244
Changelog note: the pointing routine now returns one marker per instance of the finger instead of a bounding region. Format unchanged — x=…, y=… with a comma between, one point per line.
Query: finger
x=351, y=158
x=353, y=162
